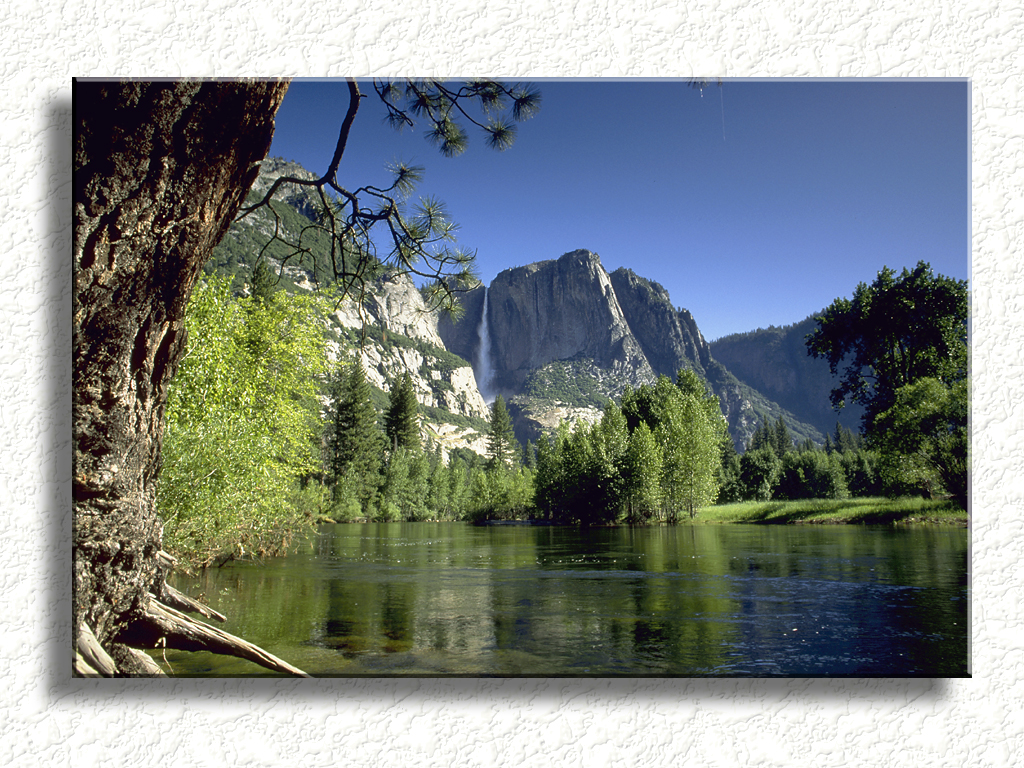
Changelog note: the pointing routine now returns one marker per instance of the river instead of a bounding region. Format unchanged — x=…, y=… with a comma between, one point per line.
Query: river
x=444, y=599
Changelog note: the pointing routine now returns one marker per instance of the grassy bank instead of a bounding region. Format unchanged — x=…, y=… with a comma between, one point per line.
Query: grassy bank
x=870, y=511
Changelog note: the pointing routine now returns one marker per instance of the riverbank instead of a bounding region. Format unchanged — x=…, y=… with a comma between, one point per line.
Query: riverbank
x=869, y=511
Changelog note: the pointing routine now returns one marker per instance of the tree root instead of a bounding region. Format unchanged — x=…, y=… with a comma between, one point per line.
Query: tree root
x=164, y=627
x=90, y=658
x=172, y=598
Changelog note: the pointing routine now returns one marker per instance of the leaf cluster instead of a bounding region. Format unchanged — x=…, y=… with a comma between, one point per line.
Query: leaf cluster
x=243, y=423
x=897, y=330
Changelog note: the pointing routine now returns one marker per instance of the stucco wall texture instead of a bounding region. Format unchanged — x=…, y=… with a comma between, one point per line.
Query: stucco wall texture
x=51, y=719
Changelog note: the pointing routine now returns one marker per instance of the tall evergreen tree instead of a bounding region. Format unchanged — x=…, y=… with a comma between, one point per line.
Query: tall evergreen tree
x=502, y=446
x=356, y=441
x=782, y=441
x=763, y=437
x=401, y=422
x=263, y=283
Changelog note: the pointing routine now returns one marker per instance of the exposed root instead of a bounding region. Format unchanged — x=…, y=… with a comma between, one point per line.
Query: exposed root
x=171, y=597
x=91, y=660
x=163, y=626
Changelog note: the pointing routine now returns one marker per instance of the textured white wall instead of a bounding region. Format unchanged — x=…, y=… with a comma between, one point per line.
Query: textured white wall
x=53, y=720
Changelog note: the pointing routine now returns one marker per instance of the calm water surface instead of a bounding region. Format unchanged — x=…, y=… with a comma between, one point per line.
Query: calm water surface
x=693, y=600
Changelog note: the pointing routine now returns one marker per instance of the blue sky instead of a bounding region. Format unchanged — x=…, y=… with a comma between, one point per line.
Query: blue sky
x=754, y=204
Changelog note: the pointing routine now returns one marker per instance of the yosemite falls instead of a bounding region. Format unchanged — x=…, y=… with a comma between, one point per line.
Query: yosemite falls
x=484, y=369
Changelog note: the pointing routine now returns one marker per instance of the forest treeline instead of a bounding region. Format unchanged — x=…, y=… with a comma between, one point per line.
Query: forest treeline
x=265, y=438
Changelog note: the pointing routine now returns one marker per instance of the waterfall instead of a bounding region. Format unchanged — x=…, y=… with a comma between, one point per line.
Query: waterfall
x=483, y=370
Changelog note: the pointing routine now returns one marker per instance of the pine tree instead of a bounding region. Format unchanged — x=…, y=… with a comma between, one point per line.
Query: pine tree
x=782, y=441
x=402, y=423
x=263, y=283
x=356, y=442
x=502, y=446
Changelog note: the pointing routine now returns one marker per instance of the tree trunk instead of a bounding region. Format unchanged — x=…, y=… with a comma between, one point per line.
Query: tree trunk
x=160, y=170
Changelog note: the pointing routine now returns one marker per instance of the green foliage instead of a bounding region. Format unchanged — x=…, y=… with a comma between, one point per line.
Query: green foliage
x=499, y=493
x=782, y=441
x=759, y=473
x=355, y=441
x=763, y=437
x=892, y=333
x=687, y=424
x=730, y=489
x=655, y=457
x=861, y=470
x=641, y=474
x=401, y=422
x=923, y=440
x=902, y=345
x=243, y=425
x=811, y=475
x=263, y=283
x=404, y=490
x=502, y=446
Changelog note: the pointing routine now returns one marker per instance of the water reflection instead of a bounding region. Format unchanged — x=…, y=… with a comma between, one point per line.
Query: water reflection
x=448, y=598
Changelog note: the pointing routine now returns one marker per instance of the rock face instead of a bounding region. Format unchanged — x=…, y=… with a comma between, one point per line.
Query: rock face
x=669, y=337
x=607, y=331
x=559, y=310
x=565, y=336
x=405, y=339
x=774, y=361
x=462, y=336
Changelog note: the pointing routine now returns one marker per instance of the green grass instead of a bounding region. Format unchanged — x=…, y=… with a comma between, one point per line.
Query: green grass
x=869, y=511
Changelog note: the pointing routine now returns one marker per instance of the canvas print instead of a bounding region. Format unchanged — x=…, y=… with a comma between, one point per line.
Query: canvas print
x=414, y=377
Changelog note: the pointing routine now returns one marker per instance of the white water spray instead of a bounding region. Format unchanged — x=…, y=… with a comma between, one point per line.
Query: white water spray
x=483, y=370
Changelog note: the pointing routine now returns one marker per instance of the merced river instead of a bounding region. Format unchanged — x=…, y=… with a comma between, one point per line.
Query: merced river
x=444, y=599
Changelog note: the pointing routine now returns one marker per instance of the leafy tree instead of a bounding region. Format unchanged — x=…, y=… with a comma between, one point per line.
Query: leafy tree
x=811, y=475
x=730, y=489
x=549, y=478
x=404, y=490
x=688, y=425
x=356, y=441
x=458, y=486
x=641, y=472
x=892, y=333
x=502, y=446
x=759, y=473
x=861, y=470
x=611, y=441
x=401, y=422
x=924, y=441
x=903, y=342
x=133, y=282
x=242, y=424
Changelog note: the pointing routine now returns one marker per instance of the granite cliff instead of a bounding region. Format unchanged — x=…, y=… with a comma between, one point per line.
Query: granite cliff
x=566, y=336
x=775, y=362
